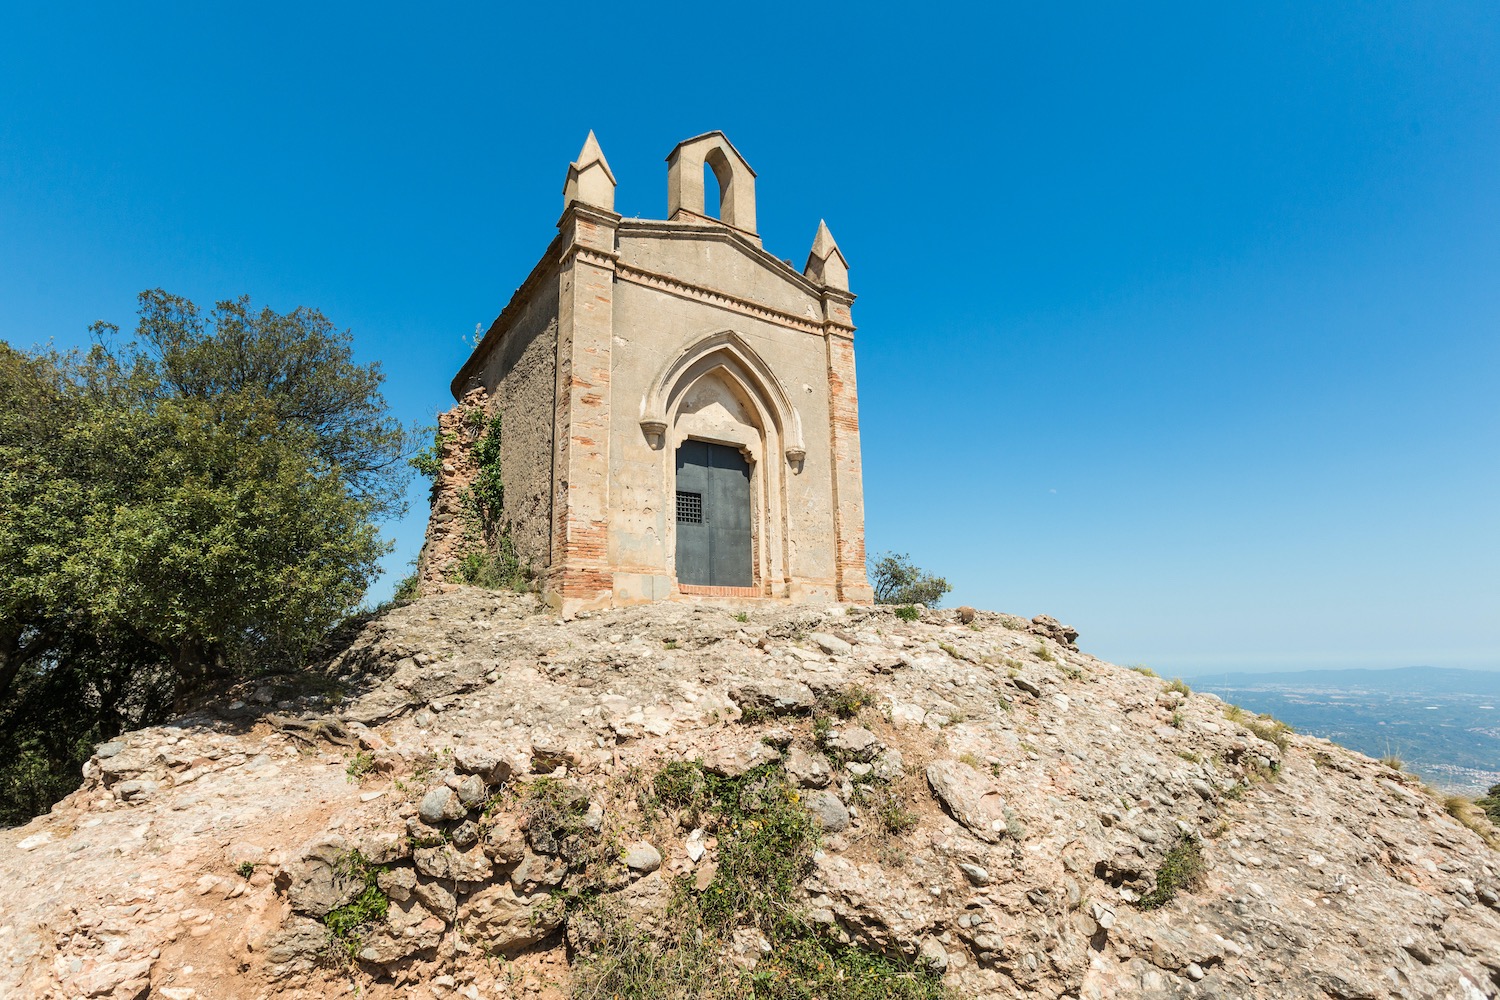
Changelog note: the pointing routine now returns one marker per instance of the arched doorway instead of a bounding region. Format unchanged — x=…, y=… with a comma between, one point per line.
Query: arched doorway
x=717, y=391
x=714, y=519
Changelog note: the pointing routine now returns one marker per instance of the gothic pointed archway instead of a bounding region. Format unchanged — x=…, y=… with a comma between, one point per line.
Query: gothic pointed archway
x=712, y=400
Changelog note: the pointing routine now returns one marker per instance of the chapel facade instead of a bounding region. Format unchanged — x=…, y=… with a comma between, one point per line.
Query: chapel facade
x=679, y=413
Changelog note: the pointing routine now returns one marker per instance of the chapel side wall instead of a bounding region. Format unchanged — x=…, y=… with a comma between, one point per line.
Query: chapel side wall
x=652, y=326
x=520, y=376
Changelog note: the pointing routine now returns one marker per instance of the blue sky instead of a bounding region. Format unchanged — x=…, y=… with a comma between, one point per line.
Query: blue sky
x=1177, y=323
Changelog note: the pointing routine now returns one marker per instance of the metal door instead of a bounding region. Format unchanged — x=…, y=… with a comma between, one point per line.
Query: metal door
x=713, y=516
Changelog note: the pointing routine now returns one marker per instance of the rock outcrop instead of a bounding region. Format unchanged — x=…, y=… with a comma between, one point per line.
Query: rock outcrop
x=992, y=805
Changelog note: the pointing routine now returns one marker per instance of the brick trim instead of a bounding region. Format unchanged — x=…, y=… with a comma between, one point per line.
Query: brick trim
x=696, y=591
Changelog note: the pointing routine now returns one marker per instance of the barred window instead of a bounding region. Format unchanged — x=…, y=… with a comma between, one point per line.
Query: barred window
x=690, y=507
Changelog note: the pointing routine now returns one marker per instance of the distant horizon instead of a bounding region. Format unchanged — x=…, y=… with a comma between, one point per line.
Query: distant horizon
x=1336, y=670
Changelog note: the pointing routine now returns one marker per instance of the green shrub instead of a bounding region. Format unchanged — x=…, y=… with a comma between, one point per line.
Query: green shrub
x=894, y=817
x=360, y=764
x=817, y=968
x=907, y=613
x=846, y=702
x=1490, y=803
x=766, y=839
x=554, y=812
x=1271, y=730
x=1142, y=669
x=896, y=580
x=1178, y=685
x=621, y=961
x=1181, y=871
x=498, y=570
x=680, y=785
x=346, y=924
x=408, y=589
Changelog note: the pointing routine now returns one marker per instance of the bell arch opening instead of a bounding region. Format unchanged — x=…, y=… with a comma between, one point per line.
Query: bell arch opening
x=718, y=194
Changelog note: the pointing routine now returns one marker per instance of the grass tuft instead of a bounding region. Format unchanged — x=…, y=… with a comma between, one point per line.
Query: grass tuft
x=1473, y=817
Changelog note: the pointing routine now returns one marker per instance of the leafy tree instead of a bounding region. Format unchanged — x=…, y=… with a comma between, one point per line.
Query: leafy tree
x=195, y=505
x=896, y=581
x=1490, y=803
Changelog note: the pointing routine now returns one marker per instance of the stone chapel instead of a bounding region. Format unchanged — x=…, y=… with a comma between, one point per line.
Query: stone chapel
x=679, y=412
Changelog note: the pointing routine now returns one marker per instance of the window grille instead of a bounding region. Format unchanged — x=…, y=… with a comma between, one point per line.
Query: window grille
x=690, y=507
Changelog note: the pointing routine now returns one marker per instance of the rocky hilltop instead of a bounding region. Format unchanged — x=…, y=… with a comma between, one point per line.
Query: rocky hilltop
x=680, y=800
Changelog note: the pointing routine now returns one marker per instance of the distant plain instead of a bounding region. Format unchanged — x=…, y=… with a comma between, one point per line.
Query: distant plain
x=1442, y=723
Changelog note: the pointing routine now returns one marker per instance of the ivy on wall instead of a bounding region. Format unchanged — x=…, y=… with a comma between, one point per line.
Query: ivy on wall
x=487, y=554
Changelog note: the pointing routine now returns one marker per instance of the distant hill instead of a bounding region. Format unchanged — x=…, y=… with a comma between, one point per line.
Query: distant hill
x=1429, y=680
x=1444, y=723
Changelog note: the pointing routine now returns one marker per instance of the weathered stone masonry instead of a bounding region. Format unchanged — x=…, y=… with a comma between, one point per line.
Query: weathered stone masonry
x=448, y=526
x=641, y=356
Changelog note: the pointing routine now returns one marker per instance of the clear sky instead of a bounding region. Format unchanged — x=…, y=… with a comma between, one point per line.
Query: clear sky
x=1177, y=322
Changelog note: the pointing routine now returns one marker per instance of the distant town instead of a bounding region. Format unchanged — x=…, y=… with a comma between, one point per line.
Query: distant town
x=1442, y=724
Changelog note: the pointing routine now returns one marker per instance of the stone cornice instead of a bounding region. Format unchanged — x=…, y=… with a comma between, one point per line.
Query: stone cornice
x=592, y=213
x=589, y=256
x=687, y=290
x=694, y=218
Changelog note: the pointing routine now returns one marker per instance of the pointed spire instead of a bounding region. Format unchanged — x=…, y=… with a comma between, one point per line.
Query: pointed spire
x=591, y=153
x=823, y=243
x=826, y=264
x=590, y=181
